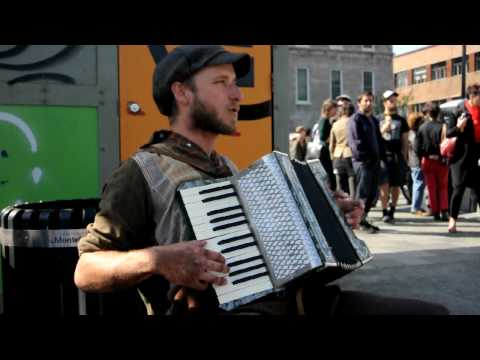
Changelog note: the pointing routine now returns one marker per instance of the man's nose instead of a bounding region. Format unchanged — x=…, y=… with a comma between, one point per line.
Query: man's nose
x=236, y=93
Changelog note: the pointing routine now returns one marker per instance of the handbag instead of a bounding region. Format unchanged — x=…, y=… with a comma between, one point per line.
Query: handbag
x=447, y=147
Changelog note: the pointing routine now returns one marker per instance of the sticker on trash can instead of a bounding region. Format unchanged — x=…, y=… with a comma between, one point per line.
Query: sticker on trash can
x=41, y=238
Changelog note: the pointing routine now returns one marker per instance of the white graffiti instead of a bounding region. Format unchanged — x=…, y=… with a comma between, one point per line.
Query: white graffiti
x=22, y=126
x=25, y=129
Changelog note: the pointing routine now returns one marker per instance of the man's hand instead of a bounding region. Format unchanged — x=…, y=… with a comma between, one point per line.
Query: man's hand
x=189, y=264
x=353, y=209
x=184, y=295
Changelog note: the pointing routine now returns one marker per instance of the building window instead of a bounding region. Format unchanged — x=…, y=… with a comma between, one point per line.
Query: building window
x=418, y=107
x=335, y=83
x=401, y=79
x=368, y=47
x=368, y=81
x=303, y=86
x=457, y=66
x=477, y=61
x=419, y=75
x=439, y=70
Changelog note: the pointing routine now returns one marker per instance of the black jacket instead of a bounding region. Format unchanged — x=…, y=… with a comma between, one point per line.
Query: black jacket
x=464, y=164
x=427, y=141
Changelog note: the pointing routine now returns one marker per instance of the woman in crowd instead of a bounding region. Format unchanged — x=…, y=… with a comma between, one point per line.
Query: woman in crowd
x=415, y=120
x=340, y=151
x=433, y=165
x=465, y=163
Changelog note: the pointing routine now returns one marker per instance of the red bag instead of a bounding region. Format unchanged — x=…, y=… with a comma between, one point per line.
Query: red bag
x=447, y=147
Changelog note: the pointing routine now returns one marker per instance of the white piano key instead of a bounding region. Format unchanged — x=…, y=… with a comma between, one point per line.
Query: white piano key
x=201, y=209
x=203, y=235
x=247, y=265
x=223, y=290
x=199, y=198
x=208, y=226
x=247, y=252
x=227, y=248
x=236, y=294
x=195, y=221
x=228, y=236
x=246, y=274
x=207, y=219
x=197, y=189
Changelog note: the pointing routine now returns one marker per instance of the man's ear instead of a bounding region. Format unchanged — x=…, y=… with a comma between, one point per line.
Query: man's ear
x=181, y=93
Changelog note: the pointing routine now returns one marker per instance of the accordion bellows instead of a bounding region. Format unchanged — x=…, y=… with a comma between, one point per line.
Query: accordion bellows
x=275, y=222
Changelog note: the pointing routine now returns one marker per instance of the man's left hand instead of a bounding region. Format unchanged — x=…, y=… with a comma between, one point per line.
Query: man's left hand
x=353, y=209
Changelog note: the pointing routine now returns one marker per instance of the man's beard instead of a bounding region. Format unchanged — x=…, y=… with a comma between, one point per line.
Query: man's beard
x=208, y=120
x=392, y=110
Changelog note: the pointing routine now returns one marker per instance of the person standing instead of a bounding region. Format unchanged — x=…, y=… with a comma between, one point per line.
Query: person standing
x=341, y=152
x=394, y=130
x=434, y=166
x=465, y=163
x=414, y=121
x=364, y=139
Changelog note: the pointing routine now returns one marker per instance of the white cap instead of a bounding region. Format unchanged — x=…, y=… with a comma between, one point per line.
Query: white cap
x=389, y=93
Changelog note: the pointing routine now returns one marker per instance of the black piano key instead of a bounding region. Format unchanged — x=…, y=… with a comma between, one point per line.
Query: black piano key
x=229, y=217
x=238, y=247
x=240, y=262
x=219, y=197
x=247, y=269
x=208, y=191
x=226, y=226
x=219, y=211
x=235, y=238
x=248, y=278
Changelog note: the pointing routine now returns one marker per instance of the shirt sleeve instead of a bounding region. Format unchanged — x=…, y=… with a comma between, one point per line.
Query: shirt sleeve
x=125, y=219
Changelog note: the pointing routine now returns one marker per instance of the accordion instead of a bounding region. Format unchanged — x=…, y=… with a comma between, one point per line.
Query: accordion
x=274, y=222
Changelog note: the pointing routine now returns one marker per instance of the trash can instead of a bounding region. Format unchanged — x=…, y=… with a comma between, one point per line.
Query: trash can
x=39, y=255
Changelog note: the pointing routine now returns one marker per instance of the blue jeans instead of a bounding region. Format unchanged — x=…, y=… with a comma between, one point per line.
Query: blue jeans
x=418, y=188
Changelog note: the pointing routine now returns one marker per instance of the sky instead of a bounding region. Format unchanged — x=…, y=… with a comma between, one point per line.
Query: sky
x=400, y=49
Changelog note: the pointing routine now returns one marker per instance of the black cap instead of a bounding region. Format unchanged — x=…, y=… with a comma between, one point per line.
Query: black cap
x=184, y=61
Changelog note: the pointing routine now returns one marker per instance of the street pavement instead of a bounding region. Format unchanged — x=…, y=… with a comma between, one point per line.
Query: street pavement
x=417, y=258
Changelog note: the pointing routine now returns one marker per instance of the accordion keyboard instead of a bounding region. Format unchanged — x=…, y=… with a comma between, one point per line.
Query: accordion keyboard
x=215, y=214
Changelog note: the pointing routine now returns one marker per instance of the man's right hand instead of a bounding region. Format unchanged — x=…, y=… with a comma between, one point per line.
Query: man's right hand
x=189, y=264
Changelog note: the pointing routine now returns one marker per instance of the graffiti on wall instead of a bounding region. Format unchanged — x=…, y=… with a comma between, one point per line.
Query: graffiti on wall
x=47, y=153
x=64, y=64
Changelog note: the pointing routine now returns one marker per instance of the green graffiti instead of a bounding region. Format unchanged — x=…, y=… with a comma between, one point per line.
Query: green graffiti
x=48, y=153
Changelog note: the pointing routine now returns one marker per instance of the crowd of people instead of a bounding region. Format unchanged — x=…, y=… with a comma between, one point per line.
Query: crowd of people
x=371, y=157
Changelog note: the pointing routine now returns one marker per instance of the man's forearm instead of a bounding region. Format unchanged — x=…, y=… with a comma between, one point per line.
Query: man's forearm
x=104, y=271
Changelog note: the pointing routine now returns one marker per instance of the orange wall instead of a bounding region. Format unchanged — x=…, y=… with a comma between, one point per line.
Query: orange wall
x=136, y=69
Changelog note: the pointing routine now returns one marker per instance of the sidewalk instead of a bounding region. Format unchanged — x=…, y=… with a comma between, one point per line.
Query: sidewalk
x=416, y=257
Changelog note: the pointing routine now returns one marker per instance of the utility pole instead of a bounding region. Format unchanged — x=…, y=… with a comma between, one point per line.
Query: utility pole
x=464, y=72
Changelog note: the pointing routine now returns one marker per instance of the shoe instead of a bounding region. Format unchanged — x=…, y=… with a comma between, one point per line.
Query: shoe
x=437, y=217
x=387, y=218
x=367, y=227
x=444, y=216
x=392, y=212
x=420, y=213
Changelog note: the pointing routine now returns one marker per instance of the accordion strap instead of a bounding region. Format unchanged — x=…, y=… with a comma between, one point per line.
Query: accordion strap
x=299, y=301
